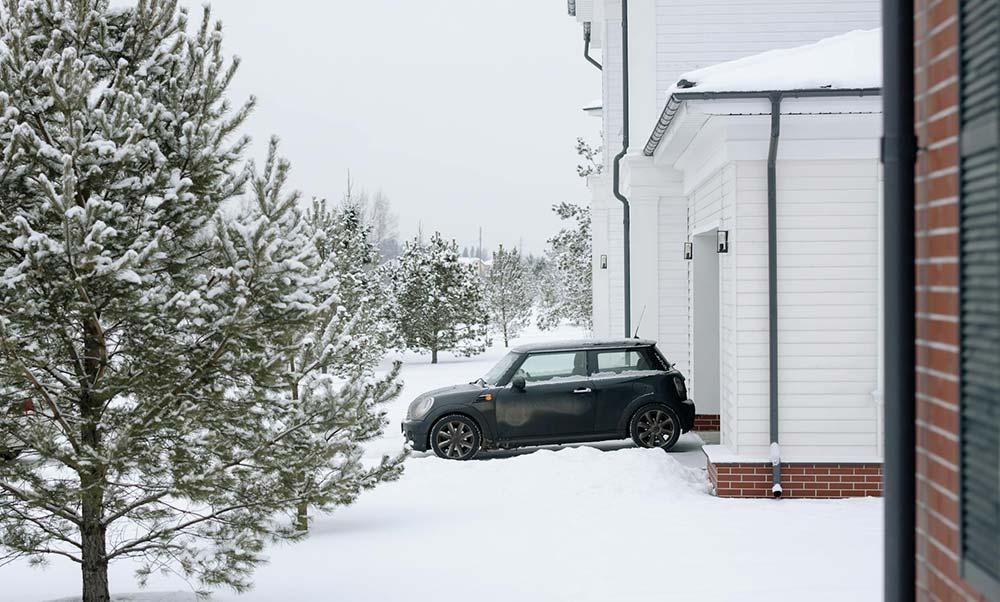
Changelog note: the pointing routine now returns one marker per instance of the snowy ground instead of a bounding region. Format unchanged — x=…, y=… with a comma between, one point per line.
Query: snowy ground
x=603, y=523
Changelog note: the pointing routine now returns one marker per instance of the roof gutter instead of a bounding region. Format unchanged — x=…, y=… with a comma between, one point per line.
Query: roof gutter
x=586, y=47
x=616, y=175
x=678, y=98
x=775, y=97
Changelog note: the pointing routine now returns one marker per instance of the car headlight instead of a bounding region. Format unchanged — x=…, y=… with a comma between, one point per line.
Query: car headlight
x=419, y=408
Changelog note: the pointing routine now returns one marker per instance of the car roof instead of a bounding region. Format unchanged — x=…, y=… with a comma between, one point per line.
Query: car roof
x=581, y=344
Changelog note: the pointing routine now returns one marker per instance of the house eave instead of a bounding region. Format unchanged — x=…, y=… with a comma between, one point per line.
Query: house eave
x=677, y=99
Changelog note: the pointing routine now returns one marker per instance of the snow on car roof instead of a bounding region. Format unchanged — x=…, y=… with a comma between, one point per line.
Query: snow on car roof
x=850, y=60
x=582, y=344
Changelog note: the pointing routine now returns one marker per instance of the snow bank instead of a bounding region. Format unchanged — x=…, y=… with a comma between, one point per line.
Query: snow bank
x=575, y=524
x=851, y=60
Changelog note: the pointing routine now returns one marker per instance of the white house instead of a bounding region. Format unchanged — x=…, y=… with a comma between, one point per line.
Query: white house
x=732, y=140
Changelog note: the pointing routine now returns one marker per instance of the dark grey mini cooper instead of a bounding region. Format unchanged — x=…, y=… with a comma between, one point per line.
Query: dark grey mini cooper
x=557, y=393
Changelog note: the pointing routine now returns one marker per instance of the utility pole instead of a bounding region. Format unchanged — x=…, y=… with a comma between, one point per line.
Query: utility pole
x=480, y=242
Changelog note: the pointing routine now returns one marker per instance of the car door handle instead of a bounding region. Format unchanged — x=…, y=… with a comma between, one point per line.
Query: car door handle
x=583, y=390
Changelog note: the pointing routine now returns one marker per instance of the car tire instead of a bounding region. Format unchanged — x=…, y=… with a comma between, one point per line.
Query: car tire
x=456, y=437
x=655, y=426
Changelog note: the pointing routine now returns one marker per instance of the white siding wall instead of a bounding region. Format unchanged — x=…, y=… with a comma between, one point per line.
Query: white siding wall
x=609, y=312
x=611, y=75
x=713, y=205
x=672, y=335
x=827, y=307
x=697, y=33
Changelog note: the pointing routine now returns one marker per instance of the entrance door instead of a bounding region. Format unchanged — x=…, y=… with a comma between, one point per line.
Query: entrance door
x=705, y=388
x=557, y=400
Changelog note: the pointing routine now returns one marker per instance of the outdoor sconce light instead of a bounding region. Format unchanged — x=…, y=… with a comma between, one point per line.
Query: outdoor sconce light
x=688, y=250
x=604, y=262
x=723, y=241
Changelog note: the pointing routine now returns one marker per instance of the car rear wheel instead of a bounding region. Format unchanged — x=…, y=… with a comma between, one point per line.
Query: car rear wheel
x=655, y=425
x=456, y=437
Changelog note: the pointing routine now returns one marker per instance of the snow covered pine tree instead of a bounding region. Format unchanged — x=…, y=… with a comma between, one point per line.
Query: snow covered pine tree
x=508, y=294
x=439, y=303
x=345, y=242
x=566, y=288
x=179, y=413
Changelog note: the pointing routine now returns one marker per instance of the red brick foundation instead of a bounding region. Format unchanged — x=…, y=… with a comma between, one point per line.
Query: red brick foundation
x=706, y=422
x=798, y=480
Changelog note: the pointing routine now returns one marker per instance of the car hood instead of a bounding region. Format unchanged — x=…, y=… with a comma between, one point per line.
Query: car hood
x=453, y=391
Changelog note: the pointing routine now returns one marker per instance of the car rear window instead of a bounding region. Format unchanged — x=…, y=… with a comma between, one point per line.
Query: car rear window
x=621, y=360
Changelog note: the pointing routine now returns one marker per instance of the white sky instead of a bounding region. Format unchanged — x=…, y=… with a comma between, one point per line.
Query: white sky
x=465, y=112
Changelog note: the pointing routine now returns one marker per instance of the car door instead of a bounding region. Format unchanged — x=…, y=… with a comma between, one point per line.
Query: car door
x=557, y=400
x=617, y=377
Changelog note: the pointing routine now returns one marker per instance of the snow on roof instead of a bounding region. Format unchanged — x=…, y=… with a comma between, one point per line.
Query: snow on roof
x=851, y=60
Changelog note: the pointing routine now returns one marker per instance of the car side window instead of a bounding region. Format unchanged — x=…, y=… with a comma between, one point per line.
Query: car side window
x=620, y=361
x=544, y=367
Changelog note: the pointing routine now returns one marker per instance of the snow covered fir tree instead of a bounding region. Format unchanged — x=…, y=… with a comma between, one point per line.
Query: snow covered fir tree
x=438, y=301
x=565, y=291
x=346, y=243
x=185, y=367
x=509, y=297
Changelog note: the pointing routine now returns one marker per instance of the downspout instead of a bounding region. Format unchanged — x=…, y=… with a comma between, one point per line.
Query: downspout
x=616, y=176
x=898, y=155
x=586, y=47
x=772, y=287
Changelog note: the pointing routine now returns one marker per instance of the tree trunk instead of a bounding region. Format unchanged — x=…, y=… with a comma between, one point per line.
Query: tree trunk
x=434, y=356
x=93, y=532
x=302, y=517
x=505, y=342
x=95, y=556
x=302, y=508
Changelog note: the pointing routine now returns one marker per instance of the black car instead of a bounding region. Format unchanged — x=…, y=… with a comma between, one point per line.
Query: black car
x=557, y=393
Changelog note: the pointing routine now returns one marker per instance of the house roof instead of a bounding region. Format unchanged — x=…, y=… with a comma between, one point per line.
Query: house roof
x=851, y=60
x=846, y=65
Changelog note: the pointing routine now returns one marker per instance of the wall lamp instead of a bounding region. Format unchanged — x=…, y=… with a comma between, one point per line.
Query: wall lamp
x=723, y=241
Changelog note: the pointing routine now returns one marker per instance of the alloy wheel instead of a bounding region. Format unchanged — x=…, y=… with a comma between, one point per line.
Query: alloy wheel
x=455, y=439
x=655, y=428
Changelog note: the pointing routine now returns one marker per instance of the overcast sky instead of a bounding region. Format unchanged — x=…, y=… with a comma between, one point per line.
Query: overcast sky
x=465, y=112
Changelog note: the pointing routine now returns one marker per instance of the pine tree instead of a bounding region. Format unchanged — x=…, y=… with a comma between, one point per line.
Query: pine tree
x=566, y=288
x=439, y=304
x=508, y=293
x=174, y=357
x=344, y=241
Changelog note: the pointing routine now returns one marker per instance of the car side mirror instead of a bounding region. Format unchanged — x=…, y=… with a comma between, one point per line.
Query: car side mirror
x=518, y=382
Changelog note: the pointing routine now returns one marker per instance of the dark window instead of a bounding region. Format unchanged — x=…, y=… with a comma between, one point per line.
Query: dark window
x=979, y=496
x=541, y=367
x=619, y=361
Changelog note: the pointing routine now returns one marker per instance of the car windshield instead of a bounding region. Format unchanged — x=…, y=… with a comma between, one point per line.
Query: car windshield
x=497, y=372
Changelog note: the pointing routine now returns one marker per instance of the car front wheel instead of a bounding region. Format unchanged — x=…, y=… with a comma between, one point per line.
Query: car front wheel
x=456, y=437
x=655, y=425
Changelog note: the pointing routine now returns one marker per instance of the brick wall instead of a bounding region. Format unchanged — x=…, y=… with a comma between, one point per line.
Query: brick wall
x=706, y=422
x=798, y=480
x=936, y=62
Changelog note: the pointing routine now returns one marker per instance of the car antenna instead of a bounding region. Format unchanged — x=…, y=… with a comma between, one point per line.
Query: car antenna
x=639, y=323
